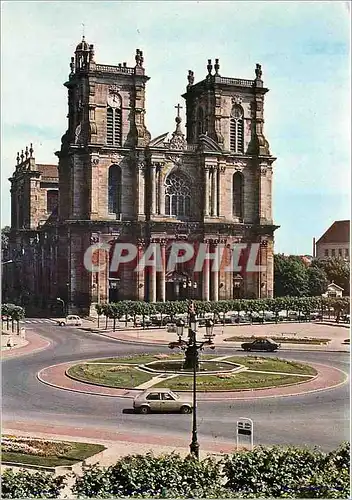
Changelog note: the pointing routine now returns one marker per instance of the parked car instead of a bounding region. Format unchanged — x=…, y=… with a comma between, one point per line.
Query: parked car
x=160, y=320
x=163, y=400
x=70, y=320
x=139, y=320
x=261, y=345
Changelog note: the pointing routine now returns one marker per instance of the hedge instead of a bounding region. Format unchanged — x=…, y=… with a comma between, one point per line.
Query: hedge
x=265, y=472
x=304, y=305
x=262, y=473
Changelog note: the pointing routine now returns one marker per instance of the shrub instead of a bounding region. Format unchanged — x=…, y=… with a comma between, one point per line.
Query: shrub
x=165, y=476
x=26, y=484
x=289, y=473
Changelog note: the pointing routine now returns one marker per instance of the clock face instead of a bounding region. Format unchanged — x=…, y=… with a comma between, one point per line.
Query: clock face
x=114, y=100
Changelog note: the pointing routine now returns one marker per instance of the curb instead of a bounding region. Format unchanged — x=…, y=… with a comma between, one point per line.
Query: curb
x=44, y=468
x=207, y=400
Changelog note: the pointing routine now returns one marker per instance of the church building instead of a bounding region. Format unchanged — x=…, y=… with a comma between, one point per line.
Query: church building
x=211, y=184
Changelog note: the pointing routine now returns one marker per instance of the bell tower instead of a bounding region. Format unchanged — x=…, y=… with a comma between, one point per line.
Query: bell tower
x=106, y=109
x=100, y=180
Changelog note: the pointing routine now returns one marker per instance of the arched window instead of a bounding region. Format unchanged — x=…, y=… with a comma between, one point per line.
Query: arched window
x=177, y=195
x=114, y=189
x=114, y=126
x=200, y=122
x=236, y=129
x=237, y=195
x=52, y=200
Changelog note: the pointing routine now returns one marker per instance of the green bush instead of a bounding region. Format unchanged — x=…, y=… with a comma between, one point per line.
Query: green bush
x=289, y=473
x=165, y=476
x=26, y=484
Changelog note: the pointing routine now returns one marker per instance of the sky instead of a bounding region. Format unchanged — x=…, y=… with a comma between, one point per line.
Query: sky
x=304, y=50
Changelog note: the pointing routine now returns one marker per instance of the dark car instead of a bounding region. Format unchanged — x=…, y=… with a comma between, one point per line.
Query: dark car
x=261, y=345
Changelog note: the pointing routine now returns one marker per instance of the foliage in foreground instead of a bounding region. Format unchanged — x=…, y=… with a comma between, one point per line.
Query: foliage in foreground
x=265, y=472
x=273, y=472
x=27, y=484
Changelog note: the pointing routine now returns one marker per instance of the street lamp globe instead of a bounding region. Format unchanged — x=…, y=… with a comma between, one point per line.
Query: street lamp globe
x=193, y=322
x=209, y=326
x=179, y=327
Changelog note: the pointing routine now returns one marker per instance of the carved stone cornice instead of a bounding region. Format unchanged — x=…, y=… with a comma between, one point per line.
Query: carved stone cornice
x=116, y=157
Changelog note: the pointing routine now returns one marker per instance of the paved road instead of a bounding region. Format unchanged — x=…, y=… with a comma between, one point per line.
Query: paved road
x=320, y=418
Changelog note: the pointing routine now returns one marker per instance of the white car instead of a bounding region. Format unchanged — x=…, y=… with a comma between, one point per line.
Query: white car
x=70, y=320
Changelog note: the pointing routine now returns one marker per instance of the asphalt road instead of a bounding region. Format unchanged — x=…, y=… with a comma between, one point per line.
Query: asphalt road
x=320, y=418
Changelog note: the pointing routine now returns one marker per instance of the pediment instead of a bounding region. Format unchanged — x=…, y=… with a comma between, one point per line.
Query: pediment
x=158, y=141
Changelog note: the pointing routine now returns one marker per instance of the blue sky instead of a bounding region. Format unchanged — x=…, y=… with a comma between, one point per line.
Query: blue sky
x=303, y=48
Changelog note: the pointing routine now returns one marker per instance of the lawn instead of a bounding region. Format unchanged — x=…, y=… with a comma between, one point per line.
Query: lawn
x=176, y=366
x=243, y=380
x=110, y=376
x=138, y=358
x=56, y=453
x=281, y=340
x=147, y=358
x=273, y=365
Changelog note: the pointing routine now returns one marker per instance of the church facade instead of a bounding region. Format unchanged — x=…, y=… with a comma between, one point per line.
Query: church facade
x=115, y=184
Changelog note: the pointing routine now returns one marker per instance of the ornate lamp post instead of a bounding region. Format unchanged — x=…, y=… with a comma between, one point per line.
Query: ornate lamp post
x=191, y=347
x=237, y=283
x=63, y=304
x=188, y=283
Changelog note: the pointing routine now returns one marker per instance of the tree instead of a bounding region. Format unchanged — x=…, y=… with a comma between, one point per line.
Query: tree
x=317, y=281
x=290, y=276
x=337, y=271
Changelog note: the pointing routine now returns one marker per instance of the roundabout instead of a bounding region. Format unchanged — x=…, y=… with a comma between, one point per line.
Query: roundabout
x=322, y=377
x=40, y=399
x=227, y=373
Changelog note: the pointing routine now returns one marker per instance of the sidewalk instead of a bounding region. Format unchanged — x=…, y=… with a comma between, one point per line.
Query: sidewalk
x=12, y=340
x=118, y=443
x=32, y=343
x=160, y=336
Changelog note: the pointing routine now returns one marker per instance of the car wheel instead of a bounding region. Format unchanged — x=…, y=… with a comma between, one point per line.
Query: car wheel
x=62, y=324
x=186, y=409
x=144, y=410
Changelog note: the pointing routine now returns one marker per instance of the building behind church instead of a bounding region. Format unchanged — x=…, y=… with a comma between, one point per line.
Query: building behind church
x=114, y=183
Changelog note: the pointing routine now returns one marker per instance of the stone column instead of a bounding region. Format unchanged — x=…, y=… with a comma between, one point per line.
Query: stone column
x=263, y=193
x=162, y=284
x=141, y=190
x=212, y=208
x=152, y=282
x=160, y=193
x=215, y=279
x=262, y=275
x=215, y=192
x=205, y=278
x=153, y=189
x=140, y=274
x=206, y=192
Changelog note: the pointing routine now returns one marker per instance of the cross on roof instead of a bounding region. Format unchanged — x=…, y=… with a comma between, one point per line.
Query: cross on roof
x=178, y=107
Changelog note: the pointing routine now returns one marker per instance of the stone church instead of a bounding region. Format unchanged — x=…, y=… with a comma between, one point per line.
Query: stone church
x=114, y=183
